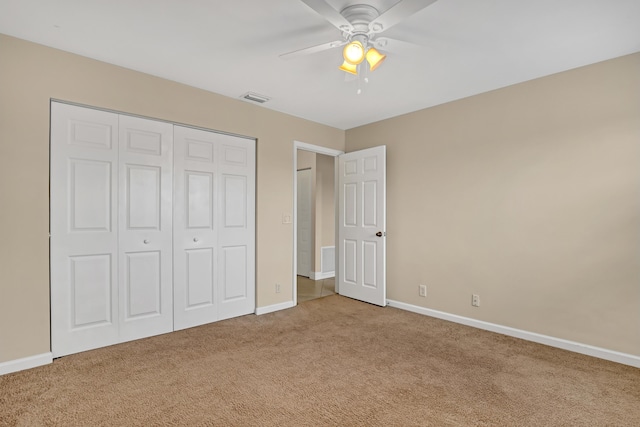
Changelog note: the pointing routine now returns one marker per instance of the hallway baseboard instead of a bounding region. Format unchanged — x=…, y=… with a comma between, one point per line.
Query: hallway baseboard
x=319, y=275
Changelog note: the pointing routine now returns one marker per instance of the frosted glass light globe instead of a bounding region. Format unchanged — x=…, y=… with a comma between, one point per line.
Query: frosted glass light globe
x=353, y=52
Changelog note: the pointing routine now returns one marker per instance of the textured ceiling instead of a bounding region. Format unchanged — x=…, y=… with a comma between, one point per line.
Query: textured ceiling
x=463, y=47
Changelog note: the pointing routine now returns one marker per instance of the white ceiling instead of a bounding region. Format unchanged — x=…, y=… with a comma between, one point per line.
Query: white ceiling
x=231, y=47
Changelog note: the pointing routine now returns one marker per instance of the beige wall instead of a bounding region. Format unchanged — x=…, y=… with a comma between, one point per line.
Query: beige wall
x=30, y=75
x=528, y=196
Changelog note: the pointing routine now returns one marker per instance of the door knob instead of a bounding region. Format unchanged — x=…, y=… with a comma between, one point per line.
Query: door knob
x=195, y=239
x=379, y=234
x=145, y=241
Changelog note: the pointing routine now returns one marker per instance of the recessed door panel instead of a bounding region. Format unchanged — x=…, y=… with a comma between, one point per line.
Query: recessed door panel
x=234, y=156
x=200, y=195
x=90, y=290
x=350, y=167
x=143, y=284
x=90, y=134
x=198, y=150
x=90, y=195
x=350, y=254
x=369, y=202
x=200, y=277
x=143, y=201
x=350, y=205
x=234, y=273
x=235, y=201
x=139, y=141
x=370, y=164
x=369, y=264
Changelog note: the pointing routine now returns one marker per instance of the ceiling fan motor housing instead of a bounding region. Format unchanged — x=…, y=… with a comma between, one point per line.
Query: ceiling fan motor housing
x=359, y=16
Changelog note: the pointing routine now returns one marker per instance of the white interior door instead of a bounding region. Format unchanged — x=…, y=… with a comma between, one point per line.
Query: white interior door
x=236, y=226
x=362, y=225
x=214, y=227
x=195, y=239
x=84, y=230
x=145, y=221
x=303, y=217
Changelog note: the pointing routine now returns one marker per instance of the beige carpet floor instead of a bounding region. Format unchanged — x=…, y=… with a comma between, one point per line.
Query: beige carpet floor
x=327, y=362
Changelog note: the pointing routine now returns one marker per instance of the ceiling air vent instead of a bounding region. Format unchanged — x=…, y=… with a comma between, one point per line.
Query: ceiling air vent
x=254, y=97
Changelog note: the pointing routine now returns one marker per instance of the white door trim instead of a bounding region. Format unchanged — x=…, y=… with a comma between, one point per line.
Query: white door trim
x=298, y=145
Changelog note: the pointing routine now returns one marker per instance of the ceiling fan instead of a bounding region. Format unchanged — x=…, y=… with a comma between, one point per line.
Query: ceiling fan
x=361, y=25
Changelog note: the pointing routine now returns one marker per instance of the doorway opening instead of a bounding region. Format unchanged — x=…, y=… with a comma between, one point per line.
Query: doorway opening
x=314, y=263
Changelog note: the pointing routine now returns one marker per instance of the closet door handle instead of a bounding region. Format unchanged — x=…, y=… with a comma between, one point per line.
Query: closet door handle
x=145, y=241
x=379, y=234
x=195, y=239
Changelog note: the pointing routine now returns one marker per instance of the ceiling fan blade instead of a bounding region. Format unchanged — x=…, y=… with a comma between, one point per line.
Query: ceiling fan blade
x=396, y=13
x=313, y=49
x=390, y=44
x=325, y=10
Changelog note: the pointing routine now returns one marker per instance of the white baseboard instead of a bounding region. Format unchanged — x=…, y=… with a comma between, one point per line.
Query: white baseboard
x=274, y=307
x=25, y=363
x=602, y=353
x=319, y=275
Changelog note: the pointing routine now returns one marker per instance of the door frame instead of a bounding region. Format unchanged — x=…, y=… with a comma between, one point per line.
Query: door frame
x=298, y=145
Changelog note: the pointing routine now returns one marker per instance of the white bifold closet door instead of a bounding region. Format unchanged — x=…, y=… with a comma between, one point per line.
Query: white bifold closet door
x=122, y=267
x=145, y=227
x=84, y=229
x=214, y=231
x=111, y=228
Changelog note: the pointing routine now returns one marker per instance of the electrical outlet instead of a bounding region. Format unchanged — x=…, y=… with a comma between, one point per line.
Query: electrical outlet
x=475, y=300
x=423, y=290
x=277, y=288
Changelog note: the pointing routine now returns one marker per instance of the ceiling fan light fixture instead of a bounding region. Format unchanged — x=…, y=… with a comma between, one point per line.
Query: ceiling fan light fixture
x=349, y=68
x=353, y=52
x=375, y=58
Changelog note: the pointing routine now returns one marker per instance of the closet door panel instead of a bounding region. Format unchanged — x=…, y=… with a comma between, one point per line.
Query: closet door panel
x=144, y=205
x=234, y=273
x=145, y=232
x=200, y=278
x=236, y=237
x=195, y=233
x=142, y=285
x=84, y=231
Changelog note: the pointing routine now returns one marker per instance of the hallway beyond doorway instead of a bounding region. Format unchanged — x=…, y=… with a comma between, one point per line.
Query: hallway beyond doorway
x=311, y=289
